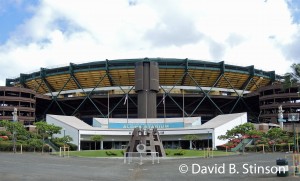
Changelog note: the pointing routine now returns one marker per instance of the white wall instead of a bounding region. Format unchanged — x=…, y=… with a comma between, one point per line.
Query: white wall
x=74, y=133
x=221, y=130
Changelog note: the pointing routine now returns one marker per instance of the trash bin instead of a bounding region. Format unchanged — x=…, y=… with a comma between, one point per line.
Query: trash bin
x=283, y=168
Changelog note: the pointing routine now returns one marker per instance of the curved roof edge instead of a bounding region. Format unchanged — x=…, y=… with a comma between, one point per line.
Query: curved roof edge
x=129, y=63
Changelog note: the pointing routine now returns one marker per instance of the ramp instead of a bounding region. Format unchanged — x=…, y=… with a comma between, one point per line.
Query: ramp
x=246, y=142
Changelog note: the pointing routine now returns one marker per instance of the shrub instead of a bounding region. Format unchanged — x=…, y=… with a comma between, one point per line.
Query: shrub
x=282, y=147
x=251, y=148
x=6, y=146
x=111, y=153
x=25, y=147
x=72, y=146
x=168, y=152
x=266, y=147
x=179, y=153
x=57, y=142
x=4, y=137
x=46, y=148
x=22, y=137
x=3, y=133
x=223, y=147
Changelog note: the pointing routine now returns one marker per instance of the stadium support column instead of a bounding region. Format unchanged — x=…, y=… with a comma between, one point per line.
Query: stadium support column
x=146, y=86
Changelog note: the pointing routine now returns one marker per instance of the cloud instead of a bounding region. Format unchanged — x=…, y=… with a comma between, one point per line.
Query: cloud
x=294, y=7
x=234, y=39
x=243, y=33
x=291, y=49
x=173, y=28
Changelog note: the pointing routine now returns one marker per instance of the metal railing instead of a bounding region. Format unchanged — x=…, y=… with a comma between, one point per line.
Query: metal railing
x=129, y=157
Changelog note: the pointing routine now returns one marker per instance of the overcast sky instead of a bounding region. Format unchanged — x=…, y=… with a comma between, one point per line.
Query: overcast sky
x=49, y=33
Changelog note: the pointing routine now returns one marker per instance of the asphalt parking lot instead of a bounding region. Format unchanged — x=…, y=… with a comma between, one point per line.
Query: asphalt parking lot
x=30, y=166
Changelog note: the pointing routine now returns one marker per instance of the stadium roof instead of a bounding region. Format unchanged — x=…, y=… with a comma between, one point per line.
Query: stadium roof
x=108, y=73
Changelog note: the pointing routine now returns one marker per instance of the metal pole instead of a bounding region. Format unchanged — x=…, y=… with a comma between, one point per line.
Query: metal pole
x=295, y=144
x=127, y=109
x=108, y=107
x=147, y=108
x=183, y=104
x=15, y=118
x=14, y=139
x=64, y=137
x=164, y=102
x=297, y=141
x=207, y=139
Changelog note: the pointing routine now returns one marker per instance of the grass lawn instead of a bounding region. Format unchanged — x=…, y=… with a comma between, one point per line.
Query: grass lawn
x=119, y=153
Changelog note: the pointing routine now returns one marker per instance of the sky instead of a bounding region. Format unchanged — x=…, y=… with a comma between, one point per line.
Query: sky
x=53, y=33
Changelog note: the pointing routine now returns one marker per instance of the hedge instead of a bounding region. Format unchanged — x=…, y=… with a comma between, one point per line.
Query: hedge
x=8, y=146
x=179, y=153
x=58, y=143
x=111, y=153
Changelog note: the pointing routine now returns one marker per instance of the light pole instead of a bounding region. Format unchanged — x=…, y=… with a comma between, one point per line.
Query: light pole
x=15, y=119
x=126, y=102
x=280, y=116
x=127, y=108
x=294, y=117
x=183, y=104
x=164, y=103
x=64, y=130
x=108, y=107
x=207, y=139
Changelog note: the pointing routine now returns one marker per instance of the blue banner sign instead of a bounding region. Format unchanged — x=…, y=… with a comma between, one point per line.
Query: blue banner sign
x=144, y=125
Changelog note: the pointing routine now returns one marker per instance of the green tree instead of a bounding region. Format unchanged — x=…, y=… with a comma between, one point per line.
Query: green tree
x=96, y=138
x=275, y=134
x=10, y=126
x=239, y=132
x=255, y=134
x=52, y=129
x=244, y=129
x=42, y=129
x=229, y=135
x=292, y=78
x=35, y=143
x=192, y=137
x=14, y=126
x=66, y=139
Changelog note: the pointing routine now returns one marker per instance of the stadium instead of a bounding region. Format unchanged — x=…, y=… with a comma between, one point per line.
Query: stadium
x=121, y=91
x=191, y=88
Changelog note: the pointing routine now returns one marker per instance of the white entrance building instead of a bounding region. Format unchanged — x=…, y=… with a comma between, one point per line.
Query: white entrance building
x=116, y=132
